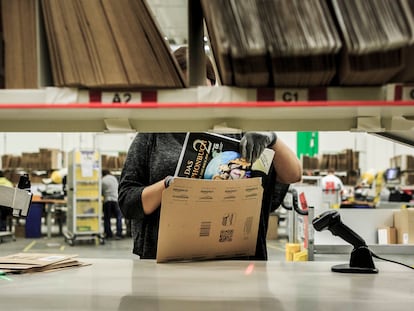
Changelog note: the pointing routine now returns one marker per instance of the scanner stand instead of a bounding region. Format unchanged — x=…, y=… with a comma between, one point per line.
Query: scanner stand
x=361, y=257
x=360, y=262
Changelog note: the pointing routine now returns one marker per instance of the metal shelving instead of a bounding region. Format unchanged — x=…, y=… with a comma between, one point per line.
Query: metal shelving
x=200, y=108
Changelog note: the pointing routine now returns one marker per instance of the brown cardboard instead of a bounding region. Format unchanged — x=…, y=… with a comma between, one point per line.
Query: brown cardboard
x=273, y=227
x=209, y=219
x=404, y=223
x=50, y=158
x=38, y=262
x=387, y=235
x=19, y=231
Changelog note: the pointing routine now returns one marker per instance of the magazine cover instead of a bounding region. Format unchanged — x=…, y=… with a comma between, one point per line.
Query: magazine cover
x=214, y=156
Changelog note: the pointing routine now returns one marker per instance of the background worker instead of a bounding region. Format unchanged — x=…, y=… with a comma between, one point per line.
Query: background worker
x=332, y=188
x=332, y=182
x=110, y=205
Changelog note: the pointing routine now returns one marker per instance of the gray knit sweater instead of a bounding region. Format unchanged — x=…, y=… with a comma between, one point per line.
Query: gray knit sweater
x=152, y=157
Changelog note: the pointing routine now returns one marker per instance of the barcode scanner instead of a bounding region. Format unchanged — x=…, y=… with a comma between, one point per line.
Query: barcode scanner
x=361, y=257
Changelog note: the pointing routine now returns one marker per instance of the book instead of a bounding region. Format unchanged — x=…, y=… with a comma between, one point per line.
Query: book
x=215, y=156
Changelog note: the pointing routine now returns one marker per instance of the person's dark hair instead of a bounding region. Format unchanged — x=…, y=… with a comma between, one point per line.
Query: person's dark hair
x=105, y=172
x=181, y=55
x=1, y=173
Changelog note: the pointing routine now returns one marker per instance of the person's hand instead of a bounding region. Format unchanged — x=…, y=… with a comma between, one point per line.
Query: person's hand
x=253, y=144
x=168, y=181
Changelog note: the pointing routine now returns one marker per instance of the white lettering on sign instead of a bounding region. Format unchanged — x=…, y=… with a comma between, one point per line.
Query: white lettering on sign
x=407, y=93
x=121, y=97
x=291, y=95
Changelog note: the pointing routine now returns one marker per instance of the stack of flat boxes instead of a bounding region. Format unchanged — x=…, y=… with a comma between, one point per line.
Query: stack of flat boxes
x=404, y=218
x=406, y=164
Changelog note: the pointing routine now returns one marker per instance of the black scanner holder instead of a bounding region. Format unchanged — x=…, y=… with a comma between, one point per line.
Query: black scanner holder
x=361, y=258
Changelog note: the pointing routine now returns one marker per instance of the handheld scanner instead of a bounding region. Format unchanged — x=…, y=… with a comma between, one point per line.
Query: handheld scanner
x=331, y=220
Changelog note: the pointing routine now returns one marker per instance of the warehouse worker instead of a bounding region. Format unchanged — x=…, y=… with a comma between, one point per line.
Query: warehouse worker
x=332, y=188
x=110, y=205
x=181, y=55
x=4, y=210
x=151, y=161
x=331, y=182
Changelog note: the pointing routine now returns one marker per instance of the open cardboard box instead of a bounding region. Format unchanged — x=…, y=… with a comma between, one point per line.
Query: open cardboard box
x=209, y=219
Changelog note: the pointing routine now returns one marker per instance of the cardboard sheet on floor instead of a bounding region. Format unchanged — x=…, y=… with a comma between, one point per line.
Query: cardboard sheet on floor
x=37, y=262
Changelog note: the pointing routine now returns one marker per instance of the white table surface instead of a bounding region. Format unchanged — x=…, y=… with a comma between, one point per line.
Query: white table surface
x=128, y=284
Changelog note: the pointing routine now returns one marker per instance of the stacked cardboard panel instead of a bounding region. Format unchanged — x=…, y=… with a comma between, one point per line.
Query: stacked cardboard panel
x=345, y=161
x=310, y=163
x=19, y=24
x=375, y=34
x=311, y=43
x=1, y=51
x=256, y=43
x=407, y=73
x=10, y=161
x=272, y=42
x=45, y=159
x=302, y=41
x=113, y=162
x=108, y=44
x=406, y=164
x=51, y=159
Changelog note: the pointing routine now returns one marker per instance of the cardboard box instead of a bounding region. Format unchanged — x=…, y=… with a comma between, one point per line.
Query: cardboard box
x=51, y=158
x=387, y=235
x=404, y=223
x=209, y=219
x=20, y=231
x=273, y=227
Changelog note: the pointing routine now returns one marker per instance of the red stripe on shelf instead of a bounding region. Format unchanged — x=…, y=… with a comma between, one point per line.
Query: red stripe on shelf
x=265, y=94
x=95, y=96
x=398, y=92
x=318, y=93
x=149, y=96
x=257, y=104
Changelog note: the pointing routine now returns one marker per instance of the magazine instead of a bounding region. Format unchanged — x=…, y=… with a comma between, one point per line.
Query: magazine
x=214, y=156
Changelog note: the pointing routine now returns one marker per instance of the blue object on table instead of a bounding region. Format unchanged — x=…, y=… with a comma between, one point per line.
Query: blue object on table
x=34, y=221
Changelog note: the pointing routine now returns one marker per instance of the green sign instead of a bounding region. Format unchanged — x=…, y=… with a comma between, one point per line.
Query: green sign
x=307, y=143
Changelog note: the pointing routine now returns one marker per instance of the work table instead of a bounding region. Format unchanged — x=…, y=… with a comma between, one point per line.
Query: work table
x=133, y=284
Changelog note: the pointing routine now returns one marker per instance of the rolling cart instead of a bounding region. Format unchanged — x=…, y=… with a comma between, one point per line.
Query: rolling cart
x=84, y=210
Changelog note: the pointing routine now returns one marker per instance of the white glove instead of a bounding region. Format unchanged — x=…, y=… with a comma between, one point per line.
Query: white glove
x=168, y=181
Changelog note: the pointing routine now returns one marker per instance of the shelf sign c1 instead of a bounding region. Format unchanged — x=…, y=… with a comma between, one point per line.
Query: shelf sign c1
x=291, y=95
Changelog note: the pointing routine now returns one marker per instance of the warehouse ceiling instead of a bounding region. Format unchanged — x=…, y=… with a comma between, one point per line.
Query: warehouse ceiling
x=172, y=17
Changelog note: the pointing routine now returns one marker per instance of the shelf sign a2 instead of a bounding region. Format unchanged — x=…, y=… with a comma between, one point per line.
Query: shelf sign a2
x=121, y=97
